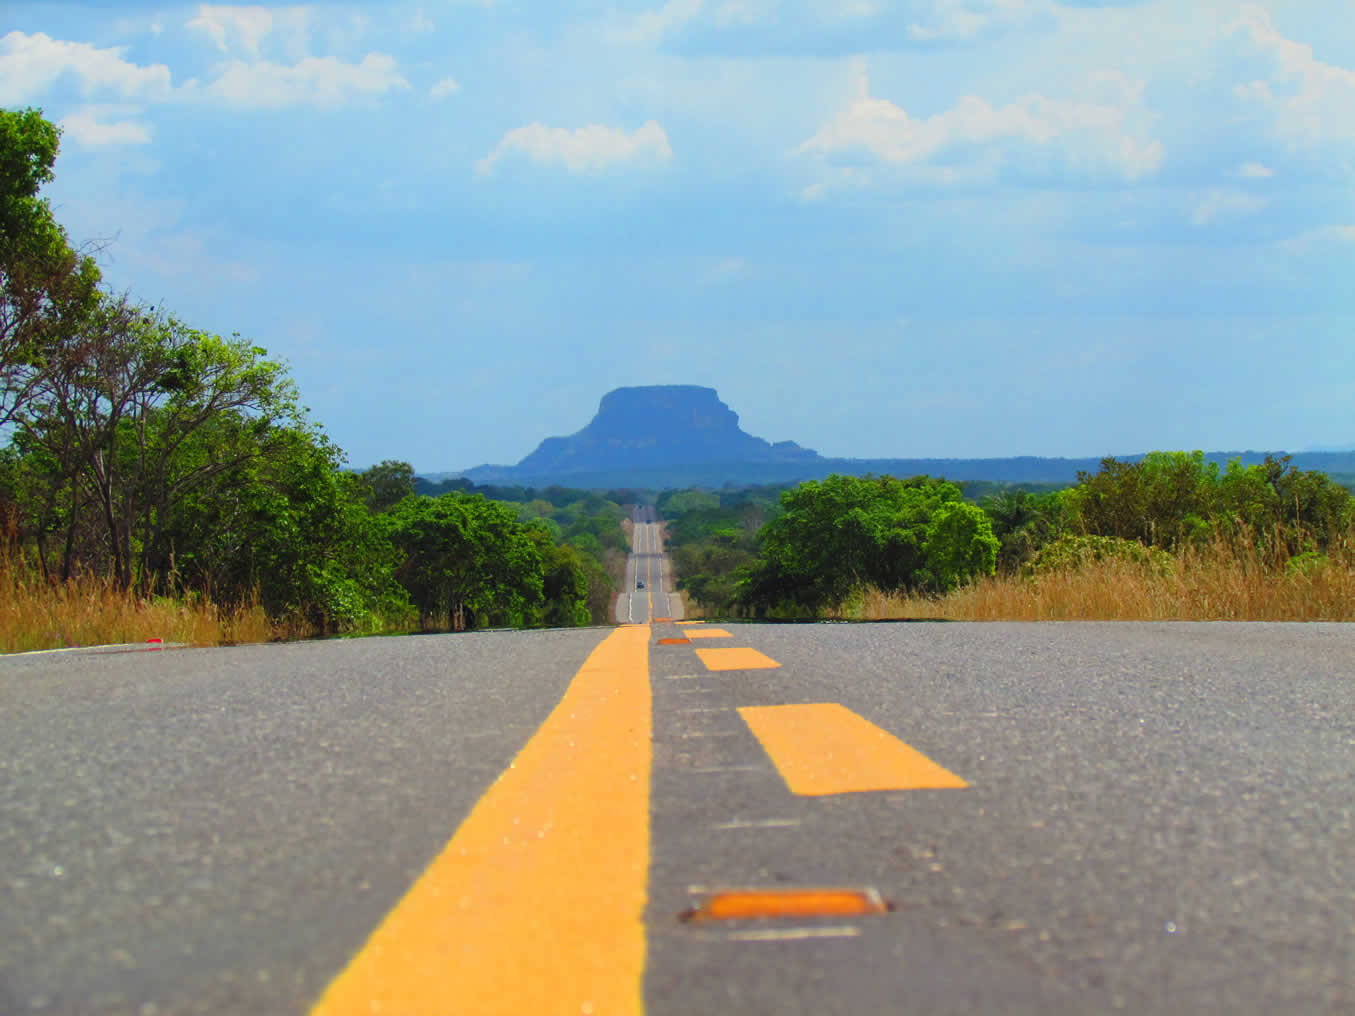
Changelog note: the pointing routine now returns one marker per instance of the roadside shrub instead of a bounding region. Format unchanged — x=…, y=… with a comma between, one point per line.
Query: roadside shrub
x=1070, y=553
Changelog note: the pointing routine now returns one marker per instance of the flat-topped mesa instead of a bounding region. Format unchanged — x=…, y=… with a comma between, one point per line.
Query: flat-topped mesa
x=656, y=426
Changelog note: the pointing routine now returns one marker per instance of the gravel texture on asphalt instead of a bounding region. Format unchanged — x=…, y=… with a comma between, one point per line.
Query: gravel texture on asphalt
x=217, y=831
x=1160, y=819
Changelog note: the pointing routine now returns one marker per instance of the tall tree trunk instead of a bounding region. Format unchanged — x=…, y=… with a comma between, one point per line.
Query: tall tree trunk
x=67, y=558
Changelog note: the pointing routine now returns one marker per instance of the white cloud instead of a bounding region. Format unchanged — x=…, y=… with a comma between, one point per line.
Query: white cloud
x=1321, y=240
x=1102, y=131
x=885, y=22
x=963, y=20
x=584, y=149
x=30, y=64
x=727, y=270
x=315, y=81
x=1223, y=204
x=743, y=12
x=1255, y=171
x=444, y=88
x=88, y=128
x=247, y=27
x=1308, y=101
x=651, y=26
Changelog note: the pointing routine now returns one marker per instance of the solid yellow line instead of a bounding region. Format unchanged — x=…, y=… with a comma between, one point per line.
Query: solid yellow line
x=826, y=748
x=536, y=904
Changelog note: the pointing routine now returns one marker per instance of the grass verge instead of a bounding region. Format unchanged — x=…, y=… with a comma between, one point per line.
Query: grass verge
x=88, y=611
x=1218, y=583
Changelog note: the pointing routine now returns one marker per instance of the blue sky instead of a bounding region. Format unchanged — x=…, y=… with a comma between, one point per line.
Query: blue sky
x=918, y=228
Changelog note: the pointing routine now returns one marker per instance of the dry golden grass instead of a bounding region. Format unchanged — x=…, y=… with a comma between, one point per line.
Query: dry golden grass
x=35, y=614
x=1220, y=583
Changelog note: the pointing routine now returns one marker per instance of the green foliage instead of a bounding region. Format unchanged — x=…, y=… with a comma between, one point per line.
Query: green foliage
x=1306, y=563
x=836, y=537
x=680, y=502
x=1023, y=522
x=1071, y=552
x=388, y=483
x=1161, y=501
x=711, y=539
x=290, y=527
x=959, y=544
x=1173, y=499
x=466, y=560
x=136, y=415
x=46, y=288
x=177, y=461
x=588, y=523
x=565, y=581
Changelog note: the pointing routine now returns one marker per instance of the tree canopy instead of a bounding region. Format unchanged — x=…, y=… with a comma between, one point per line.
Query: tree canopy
x=46, y=287
x=846, y=533
x=169, y=459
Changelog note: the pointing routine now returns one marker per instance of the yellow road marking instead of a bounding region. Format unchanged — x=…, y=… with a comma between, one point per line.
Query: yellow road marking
x=691, y=622
x=536, y=904
x=735, y=659
x=828, y=749
x=709, y=633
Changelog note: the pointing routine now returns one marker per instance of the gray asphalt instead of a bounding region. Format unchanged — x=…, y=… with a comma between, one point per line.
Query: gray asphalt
x=217, y=831
x=1160, y=818
x=648, y=564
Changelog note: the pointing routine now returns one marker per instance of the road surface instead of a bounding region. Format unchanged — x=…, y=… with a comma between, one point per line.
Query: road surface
x=648, y=592
x=1071, y=818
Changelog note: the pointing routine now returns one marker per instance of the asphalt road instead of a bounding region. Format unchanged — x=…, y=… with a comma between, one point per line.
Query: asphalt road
x=1158, y=818
x=649, y=580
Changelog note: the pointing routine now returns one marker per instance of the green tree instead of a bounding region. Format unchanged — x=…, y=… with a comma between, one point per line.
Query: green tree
x=959, y=544
x=565, y=581
x=120, y=411
x=1165, y=500
x=466, y=560
x=388, y=482
x=1024, y=522
x=46, y=288
x=289, y=525
x=836, y=537
x=1170, y=499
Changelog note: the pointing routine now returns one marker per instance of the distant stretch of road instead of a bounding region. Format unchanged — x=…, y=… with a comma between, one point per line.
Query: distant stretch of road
x=685, y=818
x=648, y=574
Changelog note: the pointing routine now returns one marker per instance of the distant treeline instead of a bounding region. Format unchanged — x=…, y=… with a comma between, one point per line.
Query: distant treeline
x=796, y=552
x=1025, y=471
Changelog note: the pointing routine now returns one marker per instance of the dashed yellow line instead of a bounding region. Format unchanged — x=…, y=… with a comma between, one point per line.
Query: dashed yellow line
x=735, y=659
x=708, y=633
x=825, y=748
x=536, y=904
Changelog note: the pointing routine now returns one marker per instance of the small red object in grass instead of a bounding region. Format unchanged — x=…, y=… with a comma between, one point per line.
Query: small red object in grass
x=154, y=643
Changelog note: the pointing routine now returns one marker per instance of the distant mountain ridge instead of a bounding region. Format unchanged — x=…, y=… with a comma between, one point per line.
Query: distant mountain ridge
x=673, y=436
x=647, y=428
